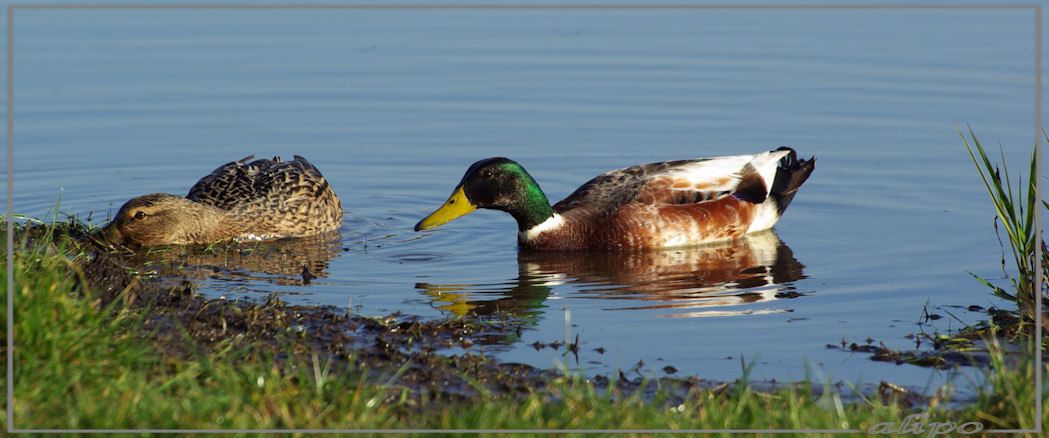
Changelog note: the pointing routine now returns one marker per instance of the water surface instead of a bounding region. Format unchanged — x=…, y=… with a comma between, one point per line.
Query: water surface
x=393, y=105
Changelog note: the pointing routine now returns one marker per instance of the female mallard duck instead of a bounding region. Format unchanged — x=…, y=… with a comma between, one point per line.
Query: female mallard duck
x=260, y=200
x=673, y=203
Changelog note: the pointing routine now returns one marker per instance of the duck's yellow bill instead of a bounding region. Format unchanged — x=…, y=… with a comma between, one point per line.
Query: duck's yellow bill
x=457, y=205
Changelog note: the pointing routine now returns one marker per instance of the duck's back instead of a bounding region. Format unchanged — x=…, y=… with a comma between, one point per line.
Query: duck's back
x=680, y=202
x=290, y=196
x=668, y=182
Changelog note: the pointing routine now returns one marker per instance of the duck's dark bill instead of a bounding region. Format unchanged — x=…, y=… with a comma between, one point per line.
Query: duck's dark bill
x=457, y=205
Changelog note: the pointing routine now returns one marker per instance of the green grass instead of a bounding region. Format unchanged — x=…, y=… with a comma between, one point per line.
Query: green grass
x=1009, y=403
x=81, y=365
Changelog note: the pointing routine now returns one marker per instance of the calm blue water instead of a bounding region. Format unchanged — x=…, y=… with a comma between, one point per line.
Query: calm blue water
x=393, y=105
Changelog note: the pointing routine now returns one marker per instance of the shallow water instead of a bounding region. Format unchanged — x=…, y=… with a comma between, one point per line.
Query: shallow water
x=393, y=105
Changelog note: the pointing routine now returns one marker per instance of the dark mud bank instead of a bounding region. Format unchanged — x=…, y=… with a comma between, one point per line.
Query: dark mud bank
x=440, y=360
x=180, y=322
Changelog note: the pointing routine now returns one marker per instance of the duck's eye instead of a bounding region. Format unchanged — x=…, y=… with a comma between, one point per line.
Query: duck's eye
x=140, y=215
x=488, y=174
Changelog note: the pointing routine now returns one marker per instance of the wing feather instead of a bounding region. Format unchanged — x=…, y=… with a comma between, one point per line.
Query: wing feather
x=677, y=182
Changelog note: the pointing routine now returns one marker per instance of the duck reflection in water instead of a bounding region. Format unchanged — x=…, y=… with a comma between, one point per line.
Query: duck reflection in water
x=285, y=262
x=752, y=269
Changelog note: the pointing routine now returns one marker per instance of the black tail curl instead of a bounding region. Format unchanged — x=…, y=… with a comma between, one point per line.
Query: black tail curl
x=792, y=173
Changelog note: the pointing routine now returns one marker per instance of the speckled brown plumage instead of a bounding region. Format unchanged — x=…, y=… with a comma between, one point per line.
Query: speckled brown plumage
x=262, y=199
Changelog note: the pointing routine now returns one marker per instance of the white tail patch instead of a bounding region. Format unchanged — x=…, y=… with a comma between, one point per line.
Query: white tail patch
x=765, y=217
x=766, y=164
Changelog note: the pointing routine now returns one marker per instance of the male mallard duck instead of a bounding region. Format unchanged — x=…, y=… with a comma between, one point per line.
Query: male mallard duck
x=673, y=203
x=263, y=199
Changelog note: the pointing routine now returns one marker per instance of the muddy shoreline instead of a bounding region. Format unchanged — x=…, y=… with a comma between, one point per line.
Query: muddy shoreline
x=435, y=360
x=404, y=350
x=183, y=324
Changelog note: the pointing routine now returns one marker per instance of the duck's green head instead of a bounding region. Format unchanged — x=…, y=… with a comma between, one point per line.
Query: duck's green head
x=495, y=183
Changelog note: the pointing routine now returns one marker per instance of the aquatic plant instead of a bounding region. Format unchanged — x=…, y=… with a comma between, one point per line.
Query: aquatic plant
x=1015, y=212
